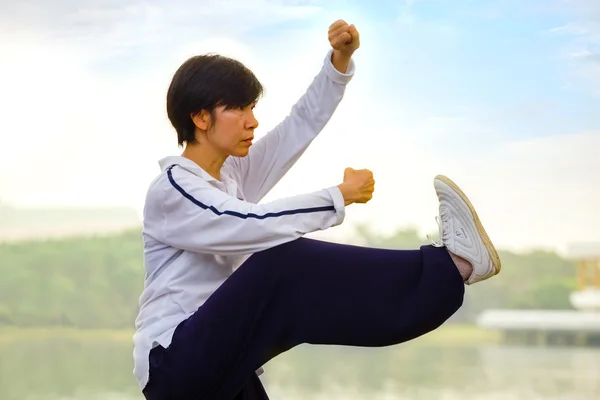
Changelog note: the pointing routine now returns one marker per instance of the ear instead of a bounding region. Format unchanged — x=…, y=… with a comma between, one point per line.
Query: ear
x=202, y=120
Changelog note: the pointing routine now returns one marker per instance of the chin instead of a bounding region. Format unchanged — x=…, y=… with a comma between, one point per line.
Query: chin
x=240, y=153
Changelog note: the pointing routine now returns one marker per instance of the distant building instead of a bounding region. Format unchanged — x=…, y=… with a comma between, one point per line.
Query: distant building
x=562, y=327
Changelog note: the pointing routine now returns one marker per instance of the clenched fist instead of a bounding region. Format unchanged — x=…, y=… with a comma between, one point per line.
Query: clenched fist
x=344, y=38
x=358, y=186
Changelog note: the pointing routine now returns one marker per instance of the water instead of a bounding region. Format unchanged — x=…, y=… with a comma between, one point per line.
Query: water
x=99, y=367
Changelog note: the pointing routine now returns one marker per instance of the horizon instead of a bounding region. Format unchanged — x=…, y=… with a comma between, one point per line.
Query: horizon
x=40, y=231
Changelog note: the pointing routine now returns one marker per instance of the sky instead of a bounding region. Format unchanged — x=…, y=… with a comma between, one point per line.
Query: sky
x=501, y=96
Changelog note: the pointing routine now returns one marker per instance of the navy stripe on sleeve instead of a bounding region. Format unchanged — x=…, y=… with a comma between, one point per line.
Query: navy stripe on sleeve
x=240, y=215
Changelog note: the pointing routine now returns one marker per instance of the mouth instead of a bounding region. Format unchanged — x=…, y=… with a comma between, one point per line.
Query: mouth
x=248, y=141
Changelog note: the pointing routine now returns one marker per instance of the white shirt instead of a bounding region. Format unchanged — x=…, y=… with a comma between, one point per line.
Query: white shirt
x=197, y=230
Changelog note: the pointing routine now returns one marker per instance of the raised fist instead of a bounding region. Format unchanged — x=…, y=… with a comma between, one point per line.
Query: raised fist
x=344, y=37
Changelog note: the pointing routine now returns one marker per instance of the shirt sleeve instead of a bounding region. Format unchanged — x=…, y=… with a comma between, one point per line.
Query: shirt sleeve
x=273, y=155
x=195, y=216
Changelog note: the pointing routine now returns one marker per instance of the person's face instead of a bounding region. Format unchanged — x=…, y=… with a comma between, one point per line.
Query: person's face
x=232, y=130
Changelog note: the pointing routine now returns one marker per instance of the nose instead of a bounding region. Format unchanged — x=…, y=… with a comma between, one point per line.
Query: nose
x=251, y=122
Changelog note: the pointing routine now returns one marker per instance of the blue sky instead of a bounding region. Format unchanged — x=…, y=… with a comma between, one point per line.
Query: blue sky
x=503, y=96
x=495, y=61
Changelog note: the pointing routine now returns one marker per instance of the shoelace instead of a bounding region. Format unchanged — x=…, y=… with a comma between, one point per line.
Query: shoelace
x=442, y=222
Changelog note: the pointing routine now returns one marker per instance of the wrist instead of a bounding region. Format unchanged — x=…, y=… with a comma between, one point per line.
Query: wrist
x=346, y=194
x=340, y=60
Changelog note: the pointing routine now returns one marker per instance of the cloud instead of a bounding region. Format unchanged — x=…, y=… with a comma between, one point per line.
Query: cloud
x=83, y=86
x=95, y=16
x=584, y=44
x=538, y=193
x=586, y=10
x=530, y=192
x=100, y=29
x=85, y=126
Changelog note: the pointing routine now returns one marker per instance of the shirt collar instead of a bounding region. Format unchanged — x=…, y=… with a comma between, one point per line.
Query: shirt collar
x=189, y=166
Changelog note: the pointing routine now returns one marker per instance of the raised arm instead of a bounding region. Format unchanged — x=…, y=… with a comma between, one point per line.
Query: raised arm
x=272, y=156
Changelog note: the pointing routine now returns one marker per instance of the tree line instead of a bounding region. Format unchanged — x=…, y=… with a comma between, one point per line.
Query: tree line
x=95, y=282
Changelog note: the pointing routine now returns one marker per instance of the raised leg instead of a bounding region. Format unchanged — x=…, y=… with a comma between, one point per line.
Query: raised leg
x=306, y=291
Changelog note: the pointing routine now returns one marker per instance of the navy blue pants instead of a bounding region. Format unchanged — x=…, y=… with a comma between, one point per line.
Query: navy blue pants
x=305, y=291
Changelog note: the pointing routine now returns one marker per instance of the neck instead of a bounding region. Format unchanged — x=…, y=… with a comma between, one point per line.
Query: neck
x=206, y=157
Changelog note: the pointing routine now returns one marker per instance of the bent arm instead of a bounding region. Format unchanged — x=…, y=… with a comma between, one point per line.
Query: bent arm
x=192, y=215
x=274, y=154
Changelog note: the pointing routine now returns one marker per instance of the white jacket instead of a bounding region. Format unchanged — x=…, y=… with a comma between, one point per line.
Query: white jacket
x=197, y=230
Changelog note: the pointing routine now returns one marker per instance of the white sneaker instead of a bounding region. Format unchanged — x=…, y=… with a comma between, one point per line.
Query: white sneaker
x=461, y=231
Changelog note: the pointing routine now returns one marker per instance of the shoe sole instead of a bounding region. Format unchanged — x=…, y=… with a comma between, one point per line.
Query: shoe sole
x=486, y=239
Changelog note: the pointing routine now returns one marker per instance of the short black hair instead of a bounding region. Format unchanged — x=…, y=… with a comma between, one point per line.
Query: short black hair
x=205, y=82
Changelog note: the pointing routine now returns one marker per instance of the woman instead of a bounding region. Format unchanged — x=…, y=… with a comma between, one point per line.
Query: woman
x=230, y=284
